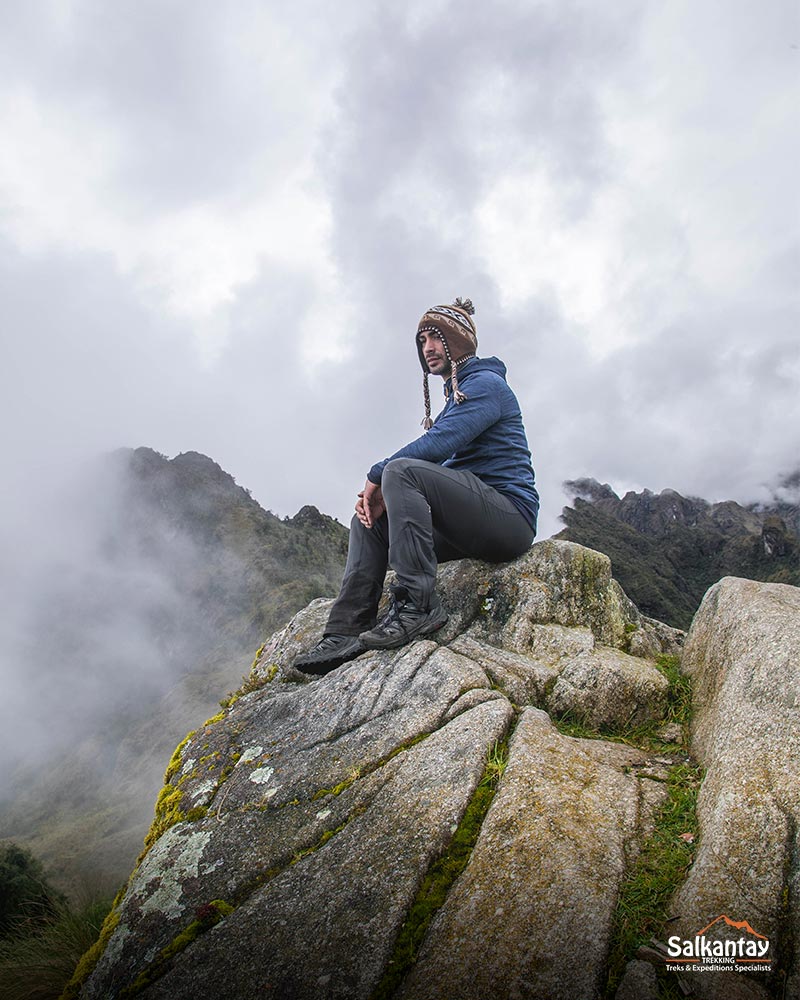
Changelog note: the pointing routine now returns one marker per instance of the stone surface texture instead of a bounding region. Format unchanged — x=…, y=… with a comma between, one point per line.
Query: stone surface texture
x=315, y=809
x=544, y=878
x=743, y=654
x=638, y=983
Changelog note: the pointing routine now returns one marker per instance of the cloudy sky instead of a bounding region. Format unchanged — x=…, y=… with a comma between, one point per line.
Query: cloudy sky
x=220, y=223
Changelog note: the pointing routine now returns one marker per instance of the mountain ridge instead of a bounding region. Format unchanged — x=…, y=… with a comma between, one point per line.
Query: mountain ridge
x=667, y=549
x=176, y=585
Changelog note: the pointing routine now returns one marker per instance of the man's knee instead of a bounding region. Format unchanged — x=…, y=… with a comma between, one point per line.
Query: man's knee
x=363, y=537
x=357, y=528
x=405, y=470
x=358, y=533
x=396, y=467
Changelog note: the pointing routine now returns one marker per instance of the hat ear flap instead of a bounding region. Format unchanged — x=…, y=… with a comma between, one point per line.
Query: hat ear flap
x=458, y=395
x=421, y=355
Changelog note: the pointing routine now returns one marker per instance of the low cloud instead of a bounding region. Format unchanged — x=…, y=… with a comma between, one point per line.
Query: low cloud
x=219, y=228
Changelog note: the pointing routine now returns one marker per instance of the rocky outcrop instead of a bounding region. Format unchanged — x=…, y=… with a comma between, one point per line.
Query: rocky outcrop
x=743, y=654
x=421, y=803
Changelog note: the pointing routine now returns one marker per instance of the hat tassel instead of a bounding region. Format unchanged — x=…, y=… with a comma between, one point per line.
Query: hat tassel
x=427, y=422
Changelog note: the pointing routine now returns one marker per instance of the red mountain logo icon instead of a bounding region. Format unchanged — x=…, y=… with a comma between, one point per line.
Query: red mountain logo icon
x=739, y=925
x=722, y=951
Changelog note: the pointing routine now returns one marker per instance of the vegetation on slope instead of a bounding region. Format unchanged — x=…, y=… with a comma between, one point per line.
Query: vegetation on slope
x=182, y=576
x=667, y=550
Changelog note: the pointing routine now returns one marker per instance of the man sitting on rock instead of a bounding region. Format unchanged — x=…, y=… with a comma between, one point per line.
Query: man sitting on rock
x=464, y=489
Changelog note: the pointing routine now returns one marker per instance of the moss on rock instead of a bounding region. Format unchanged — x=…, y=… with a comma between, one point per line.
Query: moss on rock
x=206, y=917
x=443, y=873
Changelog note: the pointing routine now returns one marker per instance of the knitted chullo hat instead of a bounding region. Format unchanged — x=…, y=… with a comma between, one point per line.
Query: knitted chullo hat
x=456, y=329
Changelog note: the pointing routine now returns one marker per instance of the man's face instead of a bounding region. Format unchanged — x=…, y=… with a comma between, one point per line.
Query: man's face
x=433, y=353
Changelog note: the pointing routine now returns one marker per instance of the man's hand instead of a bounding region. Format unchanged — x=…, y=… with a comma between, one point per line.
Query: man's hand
x=370, y=505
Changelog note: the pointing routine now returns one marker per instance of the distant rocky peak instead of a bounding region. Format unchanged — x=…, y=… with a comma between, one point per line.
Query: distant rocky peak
x=589, y=489
x=648, y=512
x=198, y=462
x=187, y=464
x=667, y=549
x=311, y=516
x=655, y=513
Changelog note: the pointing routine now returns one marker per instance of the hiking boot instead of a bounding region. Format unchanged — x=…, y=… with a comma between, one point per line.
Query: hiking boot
x=330, y=652
x=404, y=623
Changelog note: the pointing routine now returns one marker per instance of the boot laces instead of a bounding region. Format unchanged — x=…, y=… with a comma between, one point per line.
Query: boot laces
x=328, y=642
x=393, y=614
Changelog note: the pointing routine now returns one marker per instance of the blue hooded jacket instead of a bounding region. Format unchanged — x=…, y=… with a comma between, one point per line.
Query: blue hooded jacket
x=483, y=435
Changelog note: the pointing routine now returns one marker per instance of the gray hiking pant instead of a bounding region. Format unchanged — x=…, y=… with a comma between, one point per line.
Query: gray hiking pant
x=433, y=514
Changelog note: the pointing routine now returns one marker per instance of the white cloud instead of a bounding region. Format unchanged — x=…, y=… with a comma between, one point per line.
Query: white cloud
x=67, y=168
x=275, y=195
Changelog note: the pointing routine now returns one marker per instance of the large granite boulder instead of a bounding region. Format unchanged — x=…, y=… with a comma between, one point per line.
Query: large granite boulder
x=298, y=828
x=551, y=629
x=743, y=654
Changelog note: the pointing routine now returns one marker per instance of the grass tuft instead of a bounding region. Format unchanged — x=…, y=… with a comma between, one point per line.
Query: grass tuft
x=39, y=963
x=660, y=868
x=666, y=857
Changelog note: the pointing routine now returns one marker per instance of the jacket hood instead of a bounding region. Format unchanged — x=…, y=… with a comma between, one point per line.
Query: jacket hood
x=480, y=365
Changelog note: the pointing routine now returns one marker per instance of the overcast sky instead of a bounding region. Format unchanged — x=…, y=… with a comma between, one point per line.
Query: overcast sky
x=220, y=224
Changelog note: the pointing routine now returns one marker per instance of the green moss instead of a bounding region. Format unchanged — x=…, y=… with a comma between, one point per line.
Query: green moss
x=323, y=840
x=168, y=813
x=206, y=917
x=360, y=772
x=443, y=873
x=338, y=789
x=176, y=761
x=193, y=815
x=86, y=965
x=659, y=870
x=168, y=810
x=214, y=719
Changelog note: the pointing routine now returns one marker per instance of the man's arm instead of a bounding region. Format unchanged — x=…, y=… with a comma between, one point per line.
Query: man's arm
x=454, y=428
